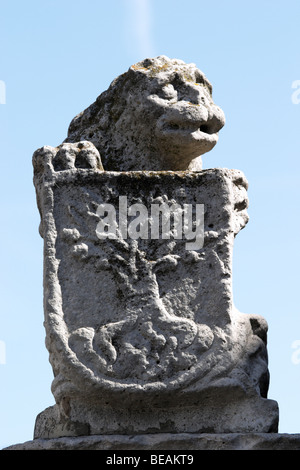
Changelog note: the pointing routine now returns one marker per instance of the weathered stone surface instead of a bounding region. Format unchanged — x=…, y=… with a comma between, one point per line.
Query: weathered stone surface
x=141, y=328
x=142, y=333
x=165, y=442
x=159, y=115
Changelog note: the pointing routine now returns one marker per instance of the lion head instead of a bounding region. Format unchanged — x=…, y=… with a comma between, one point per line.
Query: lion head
x=159, y=115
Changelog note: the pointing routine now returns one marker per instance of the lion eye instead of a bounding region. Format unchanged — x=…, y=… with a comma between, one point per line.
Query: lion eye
x=168, y=92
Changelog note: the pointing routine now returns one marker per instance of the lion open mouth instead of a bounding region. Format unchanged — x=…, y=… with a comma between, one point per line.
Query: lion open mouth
x=189, y=127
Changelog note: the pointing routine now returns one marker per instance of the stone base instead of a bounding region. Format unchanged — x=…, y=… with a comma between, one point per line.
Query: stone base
x=184, y=441
x=225, y=414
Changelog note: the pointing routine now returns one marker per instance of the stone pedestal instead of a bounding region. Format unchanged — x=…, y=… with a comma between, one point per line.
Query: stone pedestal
x=141, y=328
x=163, y=443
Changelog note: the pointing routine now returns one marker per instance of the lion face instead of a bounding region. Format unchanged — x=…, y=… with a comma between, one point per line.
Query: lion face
x=189, y=121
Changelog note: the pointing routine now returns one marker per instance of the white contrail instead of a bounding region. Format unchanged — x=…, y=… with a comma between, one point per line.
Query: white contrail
x=142, y=22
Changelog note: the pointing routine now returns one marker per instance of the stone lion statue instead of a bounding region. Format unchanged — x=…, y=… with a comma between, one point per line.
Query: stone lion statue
x=159, y=115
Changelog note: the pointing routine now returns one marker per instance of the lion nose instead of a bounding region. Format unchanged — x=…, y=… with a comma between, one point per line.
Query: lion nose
x=195, y=95
x=216, y=119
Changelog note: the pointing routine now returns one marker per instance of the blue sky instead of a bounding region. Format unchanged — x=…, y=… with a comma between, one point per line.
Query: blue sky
x=57, y=56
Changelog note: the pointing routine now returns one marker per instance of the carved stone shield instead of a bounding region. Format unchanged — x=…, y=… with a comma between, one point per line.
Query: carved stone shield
x=140, y=323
